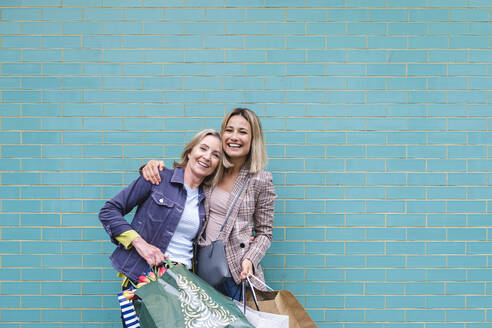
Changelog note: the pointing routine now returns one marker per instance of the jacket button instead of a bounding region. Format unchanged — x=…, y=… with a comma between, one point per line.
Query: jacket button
x=242, y=245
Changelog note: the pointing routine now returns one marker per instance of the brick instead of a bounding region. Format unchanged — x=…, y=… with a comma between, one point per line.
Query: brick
x=407, y=56
x=21, y=13
x=103, y=123
x=450, y=137
x=316, y=247
x=10, y=137
x=385, y=288
x=305, y=15
x=229, y=14
x=385, y=96
x=20, y=261
x=366, y=83
x=384, y=42
x=373, y=56
x=11, y=247
x=345, y=151
x=432, y=42
x=10, y=55
x=12, y=315
x=466, y=179
x=348, y=41
x=372, y=165
x=267, y=42
x=366, y=28
x=42, y=3
x=20, y=42
x=385, y=261
x=320, y=3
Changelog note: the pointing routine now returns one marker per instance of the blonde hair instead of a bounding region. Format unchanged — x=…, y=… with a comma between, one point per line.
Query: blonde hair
x=257, y=157
x=212, y=179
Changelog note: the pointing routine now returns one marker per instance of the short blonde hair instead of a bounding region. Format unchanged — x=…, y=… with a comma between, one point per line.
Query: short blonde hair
x=257, y=157
x=212, y=179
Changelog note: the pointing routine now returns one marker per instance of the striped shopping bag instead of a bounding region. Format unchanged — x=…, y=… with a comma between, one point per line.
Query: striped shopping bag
x=128, y=312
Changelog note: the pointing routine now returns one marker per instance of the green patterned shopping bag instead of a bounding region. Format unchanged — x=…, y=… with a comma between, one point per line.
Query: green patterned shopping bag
x=179, y=298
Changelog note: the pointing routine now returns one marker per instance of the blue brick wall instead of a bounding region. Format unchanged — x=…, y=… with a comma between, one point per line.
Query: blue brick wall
x=377, y=120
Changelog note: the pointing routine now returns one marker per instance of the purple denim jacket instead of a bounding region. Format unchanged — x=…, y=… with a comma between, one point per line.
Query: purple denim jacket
x=158, y=213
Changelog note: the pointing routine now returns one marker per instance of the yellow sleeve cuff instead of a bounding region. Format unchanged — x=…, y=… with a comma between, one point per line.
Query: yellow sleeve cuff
x=126, y=238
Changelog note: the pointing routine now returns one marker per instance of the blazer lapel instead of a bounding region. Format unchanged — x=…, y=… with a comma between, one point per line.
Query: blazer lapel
x=238, y=184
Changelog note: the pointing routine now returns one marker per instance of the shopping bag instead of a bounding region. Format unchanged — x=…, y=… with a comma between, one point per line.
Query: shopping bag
x=128, y=313
x=264, y=319
x=180, y=298
x=280, y=302
x=257, y=318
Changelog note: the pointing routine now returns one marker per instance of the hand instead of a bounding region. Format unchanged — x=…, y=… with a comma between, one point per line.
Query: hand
x=251, y=239
x=150, y=171
x=151, y=254
x=246, y=269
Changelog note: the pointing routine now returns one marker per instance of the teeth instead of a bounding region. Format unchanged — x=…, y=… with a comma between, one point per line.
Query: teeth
x=203, y=164
x=234, y=145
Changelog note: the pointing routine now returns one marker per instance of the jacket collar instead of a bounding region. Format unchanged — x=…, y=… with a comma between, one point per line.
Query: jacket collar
x=178, y=177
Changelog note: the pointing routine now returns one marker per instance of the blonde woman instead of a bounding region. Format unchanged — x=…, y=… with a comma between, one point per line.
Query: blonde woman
x=169, y=216
x=244, y=148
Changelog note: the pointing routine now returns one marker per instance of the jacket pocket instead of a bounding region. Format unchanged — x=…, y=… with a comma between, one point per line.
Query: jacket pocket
x=160, y=206
x=161, y=200
x=159, y=209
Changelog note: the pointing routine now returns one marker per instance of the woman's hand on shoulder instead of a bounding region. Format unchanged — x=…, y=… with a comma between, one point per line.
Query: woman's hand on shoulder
x=150, y=171
x=151, y=254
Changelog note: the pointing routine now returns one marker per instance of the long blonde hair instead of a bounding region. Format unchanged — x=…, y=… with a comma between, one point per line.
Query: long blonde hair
x=257, y=157
x=212, y=179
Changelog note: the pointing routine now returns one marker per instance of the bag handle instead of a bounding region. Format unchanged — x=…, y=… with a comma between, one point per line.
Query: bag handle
x=243, y=292
x=261, y=282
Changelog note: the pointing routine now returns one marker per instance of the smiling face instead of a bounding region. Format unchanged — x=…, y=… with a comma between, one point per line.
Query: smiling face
x=236, y=138
x=205, y=156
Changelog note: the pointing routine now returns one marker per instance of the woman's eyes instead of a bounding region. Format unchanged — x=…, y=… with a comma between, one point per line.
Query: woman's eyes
x=240, y=131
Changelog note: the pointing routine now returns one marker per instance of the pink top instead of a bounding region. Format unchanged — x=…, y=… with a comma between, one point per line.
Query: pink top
x=218, y=210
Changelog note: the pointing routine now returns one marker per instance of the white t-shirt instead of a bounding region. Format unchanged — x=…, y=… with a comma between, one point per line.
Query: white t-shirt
x=180, y=248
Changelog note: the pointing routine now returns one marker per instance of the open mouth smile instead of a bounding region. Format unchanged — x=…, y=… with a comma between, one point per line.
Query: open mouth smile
x=203, y=164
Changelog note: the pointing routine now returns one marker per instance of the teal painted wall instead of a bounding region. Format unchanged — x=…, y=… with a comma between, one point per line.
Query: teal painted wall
x=377, y=118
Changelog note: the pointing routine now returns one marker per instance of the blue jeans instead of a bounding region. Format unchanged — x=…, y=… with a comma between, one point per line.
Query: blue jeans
x=229, y=288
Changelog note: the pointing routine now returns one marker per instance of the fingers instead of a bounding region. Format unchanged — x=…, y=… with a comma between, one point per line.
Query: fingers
x=146, y=172
x=246, y=269
x=151, y=170
x=156, y=177
x=156, y=256
x=151, y=254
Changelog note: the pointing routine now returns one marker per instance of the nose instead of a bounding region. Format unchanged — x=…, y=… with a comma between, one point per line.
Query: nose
x=233, y=136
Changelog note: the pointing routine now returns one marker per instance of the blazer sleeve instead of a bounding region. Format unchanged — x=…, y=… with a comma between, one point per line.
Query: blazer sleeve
x=263, y=219
x=112, y=213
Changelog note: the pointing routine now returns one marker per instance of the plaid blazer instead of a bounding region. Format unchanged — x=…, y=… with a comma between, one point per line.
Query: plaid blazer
x=253, y=211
